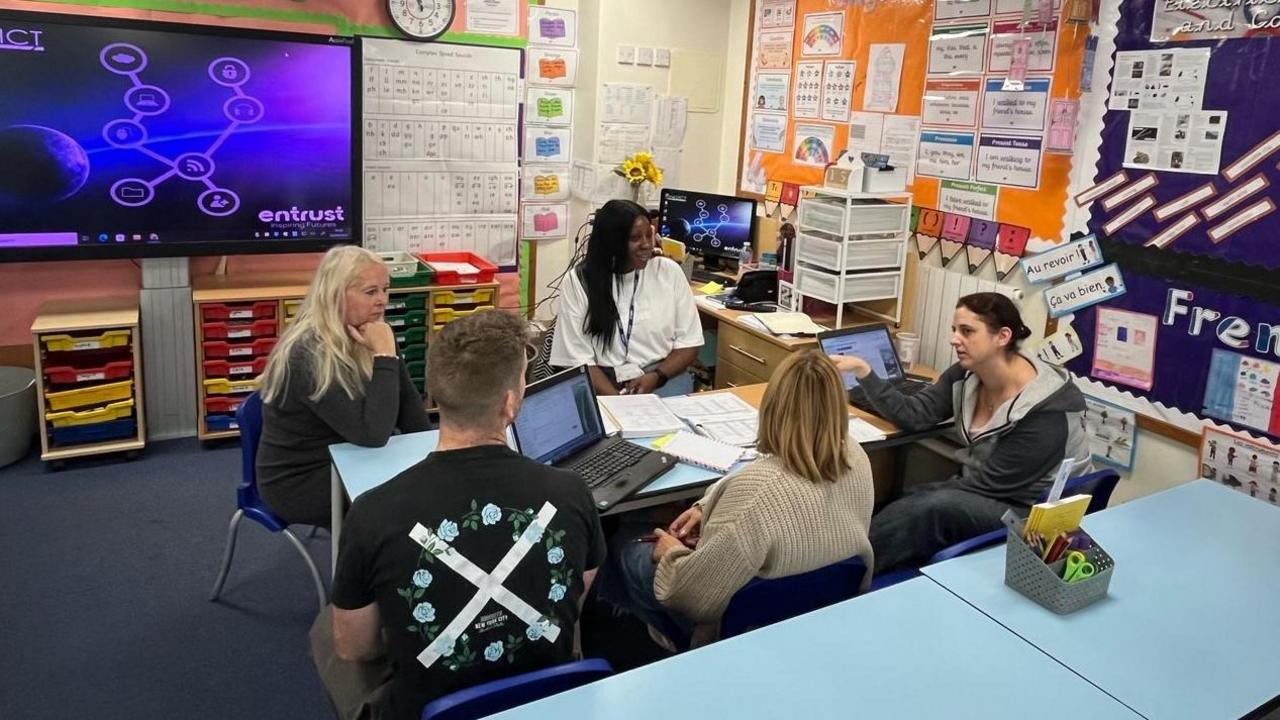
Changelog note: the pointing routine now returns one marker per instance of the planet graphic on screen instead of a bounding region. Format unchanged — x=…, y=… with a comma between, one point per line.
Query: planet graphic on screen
x=40, y=165
x=679, y=229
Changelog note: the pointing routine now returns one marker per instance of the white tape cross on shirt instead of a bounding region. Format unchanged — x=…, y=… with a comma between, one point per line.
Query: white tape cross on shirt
x=488, y=585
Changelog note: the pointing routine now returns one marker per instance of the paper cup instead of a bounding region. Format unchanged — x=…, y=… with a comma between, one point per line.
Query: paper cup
x=908, y=348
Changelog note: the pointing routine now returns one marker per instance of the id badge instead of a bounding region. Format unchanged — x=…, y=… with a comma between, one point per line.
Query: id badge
x=627, y=372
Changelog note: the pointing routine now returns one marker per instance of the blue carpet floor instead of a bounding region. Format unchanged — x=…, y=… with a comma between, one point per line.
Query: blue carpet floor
x=105, y=570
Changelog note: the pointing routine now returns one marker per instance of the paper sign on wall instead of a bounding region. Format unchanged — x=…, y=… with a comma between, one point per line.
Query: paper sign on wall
x=837, y=90
x=813, y=144
x=1009, y=160
x=769, y=132
x=540, y=222
x=960, y=49
x=1241, y=463
x=1061, y=347
x=1186, y=142
x=544, y=184
x=884, y=76
x=1105, y=283
x=547, y=144
x=808, y=90
x=1124, y=347
x=1025, y=109
x=1063, y=260
x=823, y=34
x=1011, y=244
x=546, y=66
x=981, y=243
x=968, y=198
x=958, y=9
x=945, y=155
x=1159, y=80
x=1112, y=432
x=952, y=102
x=1241, y=389
x=1040, y=54
x=548, y=106
x=1061, y=137
x=774, y=50
x=773, y=92
x=553, y=26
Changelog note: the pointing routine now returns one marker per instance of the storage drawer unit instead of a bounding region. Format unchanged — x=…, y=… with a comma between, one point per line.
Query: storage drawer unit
x=748, y=352
x=223, y=386
x=239, y=330
x=218, y=349
x=210, y=312
x=840, y=288
x=238, y=369
x=817, y=250
x=89, y=379
x=859, y=217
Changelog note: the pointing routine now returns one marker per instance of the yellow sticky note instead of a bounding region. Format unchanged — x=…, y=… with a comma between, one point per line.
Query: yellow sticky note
x=712, y=288
x=662, y=441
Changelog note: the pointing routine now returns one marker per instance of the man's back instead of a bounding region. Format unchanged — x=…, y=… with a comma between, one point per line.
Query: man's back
x=475, y=558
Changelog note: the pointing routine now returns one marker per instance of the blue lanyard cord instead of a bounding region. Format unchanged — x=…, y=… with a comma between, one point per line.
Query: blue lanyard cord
x=631, y=318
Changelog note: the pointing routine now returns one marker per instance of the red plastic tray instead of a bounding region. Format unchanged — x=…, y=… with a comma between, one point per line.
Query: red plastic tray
x=65, y=374
x=223, y=403
x=219, y=349
x=487, y=270
x=240, y=331
x=236, y=369
x=238, y=311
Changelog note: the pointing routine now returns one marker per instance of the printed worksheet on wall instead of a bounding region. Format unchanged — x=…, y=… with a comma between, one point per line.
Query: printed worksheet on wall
x=441, y=148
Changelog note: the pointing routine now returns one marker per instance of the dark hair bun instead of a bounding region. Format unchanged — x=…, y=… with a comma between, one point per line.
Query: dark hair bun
x=1023, y=333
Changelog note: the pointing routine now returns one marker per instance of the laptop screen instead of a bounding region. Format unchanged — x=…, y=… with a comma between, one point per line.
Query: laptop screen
x=872, y=344
x=558, y=418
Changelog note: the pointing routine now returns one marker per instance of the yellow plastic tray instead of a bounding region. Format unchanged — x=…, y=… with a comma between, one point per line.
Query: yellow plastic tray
x=291, y=307
x=440, y=316
x=223, y=386
x=114, y=411
x=464, y=297
x=93, y=395
x=108, y=339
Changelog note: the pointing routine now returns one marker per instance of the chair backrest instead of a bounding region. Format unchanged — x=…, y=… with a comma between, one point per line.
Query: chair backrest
x=766, y=601
x=1099, y=484
x=498, y=695
x=249, y=418
x=986, y=540
x=540, y=366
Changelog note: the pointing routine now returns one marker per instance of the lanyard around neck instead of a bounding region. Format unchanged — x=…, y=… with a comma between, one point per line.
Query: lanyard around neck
x=631, y=317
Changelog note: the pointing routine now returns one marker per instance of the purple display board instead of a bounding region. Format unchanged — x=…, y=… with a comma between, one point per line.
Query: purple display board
x=1207, y=340
x=1241, y=82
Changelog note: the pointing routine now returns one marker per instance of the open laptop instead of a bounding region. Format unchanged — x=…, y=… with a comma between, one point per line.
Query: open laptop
x=873, y=344
x=560, y=425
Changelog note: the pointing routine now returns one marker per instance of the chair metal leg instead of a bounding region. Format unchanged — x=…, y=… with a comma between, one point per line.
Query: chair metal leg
x=311, y=565
x=226, y=555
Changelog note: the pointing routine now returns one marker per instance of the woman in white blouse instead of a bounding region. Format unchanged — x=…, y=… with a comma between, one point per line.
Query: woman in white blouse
x=627, y=315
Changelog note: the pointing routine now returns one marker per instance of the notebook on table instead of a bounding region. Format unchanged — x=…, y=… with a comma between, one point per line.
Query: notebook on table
x=702, y=452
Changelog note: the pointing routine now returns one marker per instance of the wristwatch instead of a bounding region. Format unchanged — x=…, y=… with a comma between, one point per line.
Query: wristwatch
x=662, y=377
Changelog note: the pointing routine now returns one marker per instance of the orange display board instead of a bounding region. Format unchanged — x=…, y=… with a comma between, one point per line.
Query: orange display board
x=777, y=49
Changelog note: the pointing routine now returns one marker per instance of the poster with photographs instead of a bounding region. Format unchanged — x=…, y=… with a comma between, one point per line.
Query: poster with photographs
x=1112, y=432
x=1159, y=79
x=1185, y=142
x=1241, y=463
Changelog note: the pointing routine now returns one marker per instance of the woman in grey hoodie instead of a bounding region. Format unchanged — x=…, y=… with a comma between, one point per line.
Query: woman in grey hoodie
x=1017, y=417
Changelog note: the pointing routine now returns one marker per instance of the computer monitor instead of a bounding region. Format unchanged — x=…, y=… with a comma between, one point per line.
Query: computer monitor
x=869, y=342
x=125, y=138
x=708, y=225
x=559, y=417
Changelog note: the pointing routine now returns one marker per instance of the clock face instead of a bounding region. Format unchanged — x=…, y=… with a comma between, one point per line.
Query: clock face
x=423, y=19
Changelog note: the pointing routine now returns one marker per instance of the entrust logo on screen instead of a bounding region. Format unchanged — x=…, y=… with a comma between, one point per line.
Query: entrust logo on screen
x=20, y=39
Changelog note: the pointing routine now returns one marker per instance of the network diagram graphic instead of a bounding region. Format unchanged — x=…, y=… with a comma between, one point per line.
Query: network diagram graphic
x=146, y=101
x=705, y=230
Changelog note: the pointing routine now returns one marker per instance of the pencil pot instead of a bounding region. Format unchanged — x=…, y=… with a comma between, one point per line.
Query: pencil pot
x=1025, y=572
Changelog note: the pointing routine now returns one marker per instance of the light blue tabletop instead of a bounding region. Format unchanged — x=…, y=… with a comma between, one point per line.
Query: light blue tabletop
x=1190, y=627
x=364, y=468
x=910, y=651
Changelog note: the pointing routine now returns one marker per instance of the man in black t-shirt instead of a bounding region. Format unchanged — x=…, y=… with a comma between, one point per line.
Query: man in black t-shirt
x=469, y=566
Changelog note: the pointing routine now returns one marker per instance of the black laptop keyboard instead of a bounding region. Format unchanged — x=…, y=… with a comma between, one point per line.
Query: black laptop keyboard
x=858, y=396
x=601, y=466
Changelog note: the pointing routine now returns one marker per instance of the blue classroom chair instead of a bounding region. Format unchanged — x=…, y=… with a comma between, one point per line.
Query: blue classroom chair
x=764, y=601
x=498, y=695
x=1099, y=484
x=249, y=503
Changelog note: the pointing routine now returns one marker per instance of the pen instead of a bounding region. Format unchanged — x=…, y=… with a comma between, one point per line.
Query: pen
x=646, y=538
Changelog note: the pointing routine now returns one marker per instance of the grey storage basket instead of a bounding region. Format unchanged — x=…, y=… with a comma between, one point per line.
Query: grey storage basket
x=1025, y=572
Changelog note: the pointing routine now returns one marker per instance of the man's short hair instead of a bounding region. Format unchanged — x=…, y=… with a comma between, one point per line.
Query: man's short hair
x=473, y=362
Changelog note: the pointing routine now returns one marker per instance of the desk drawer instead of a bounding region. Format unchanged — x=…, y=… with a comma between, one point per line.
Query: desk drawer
x=748, y=351
x=729, y=375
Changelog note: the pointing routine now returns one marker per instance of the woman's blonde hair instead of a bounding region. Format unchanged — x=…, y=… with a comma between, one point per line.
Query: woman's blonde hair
x=804, y=419
x=321, y=329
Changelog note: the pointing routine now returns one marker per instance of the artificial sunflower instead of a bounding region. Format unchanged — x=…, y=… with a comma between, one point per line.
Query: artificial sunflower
x=633, y=171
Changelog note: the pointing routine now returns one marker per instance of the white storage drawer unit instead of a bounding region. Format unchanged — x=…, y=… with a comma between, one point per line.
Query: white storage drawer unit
x=839, y=288
x=815, y=249
x=858, y=217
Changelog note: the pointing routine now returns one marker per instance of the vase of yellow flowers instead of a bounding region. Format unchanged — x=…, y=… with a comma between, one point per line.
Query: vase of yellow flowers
x=637, y=170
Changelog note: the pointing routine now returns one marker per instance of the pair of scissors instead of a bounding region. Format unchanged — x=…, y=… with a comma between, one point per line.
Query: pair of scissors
x=1078, y=567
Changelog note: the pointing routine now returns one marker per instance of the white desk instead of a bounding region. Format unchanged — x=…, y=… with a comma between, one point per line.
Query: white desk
x=1190, y=626
x=910, y=651
x=356, y=470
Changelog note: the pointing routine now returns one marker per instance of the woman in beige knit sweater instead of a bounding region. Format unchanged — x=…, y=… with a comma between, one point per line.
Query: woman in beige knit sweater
x=804, y=504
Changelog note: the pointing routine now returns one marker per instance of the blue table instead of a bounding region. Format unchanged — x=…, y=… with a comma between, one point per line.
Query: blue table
x=356, y=470
x=910, y=651
x=1190, y=627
